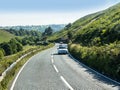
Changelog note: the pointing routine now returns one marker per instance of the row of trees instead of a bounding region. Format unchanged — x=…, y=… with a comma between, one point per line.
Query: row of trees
x=15, y=45
x=11, y=47
x=48, y=31
x=30, y=37
x=23, y=32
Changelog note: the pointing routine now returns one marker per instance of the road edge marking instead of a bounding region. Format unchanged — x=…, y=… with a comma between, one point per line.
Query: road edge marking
x=93, y=70
x=68, y=85
x=13, y=84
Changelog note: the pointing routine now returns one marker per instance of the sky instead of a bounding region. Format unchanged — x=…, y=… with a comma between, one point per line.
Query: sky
x=43, y=12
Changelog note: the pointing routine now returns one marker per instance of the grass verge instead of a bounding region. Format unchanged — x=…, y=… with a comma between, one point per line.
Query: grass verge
x=105, y=59
x=10, y=75
x=6, y=61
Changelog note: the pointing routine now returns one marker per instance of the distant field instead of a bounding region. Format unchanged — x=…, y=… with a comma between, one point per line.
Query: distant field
x=5, y=36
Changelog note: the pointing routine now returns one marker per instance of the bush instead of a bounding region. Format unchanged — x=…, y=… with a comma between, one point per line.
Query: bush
x=1, y=53
x=105, y=59
x=7, y=48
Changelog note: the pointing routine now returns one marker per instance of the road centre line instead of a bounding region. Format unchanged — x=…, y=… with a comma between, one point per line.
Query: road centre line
x=55, y=68
x=68, y=85
x=51, y=55
x=52, y=60
x=62, y=78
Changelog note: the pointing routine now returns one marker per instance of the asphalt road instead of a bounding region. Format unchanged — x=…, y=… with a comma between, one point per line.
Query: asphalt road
x=49, y=71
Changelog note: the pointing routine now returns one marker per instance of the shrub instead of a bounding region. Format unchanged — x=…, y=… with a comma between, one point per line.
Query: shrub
x=105, y=59
x=1, y=53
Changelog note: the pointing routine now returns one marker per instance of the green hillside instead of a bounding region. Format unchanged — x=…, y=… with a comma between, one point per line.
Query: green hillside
x=103, y=29
x=5, y=36
x=95, y=41
x=103, y=26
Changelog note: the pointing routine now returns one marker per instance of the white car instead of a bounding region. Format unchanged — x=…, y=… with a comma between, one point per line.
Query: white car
x=62, y=51
x=62, y=46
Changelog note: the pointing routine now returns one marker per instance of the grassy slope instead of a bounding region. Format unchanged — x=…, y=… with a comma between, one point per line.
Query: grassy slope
x=106, y=26
x=5, y=36
x=99, y=35
x=76, y=25
x=93, y=25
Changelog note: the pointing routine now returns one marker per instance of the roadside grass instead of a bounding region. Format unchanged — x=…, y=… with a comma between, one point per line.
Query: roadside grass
x=4, y=84
x=105, y=59
x=8, y=60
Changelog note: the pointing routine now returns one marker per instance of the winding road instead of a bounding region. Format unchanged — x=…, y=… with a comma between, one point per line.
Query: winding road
x=49, y=71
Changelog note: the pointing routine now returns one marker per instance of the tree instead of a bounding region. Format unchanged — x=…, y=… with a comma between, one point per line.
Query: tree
x=7, y=48
x=1, y=53
x=68, y=26
x=13, y=45
x=24, y=41
x=19, y=47
x=70, y=35
x=48, y=31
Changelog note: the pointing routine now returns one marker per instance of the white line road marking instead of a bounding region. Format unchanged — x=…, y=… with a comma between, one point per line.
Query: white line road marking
x=52, y=56
x=68, y=85
x=52, y=60
x=12, y=87
x=93, y=70
x=55, y=68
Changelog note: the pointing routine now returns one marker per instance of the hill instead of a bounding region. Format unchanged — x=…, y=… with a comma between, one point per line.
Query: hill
x=41, y=28
x=95, y=41
x=5, y=36
x=102, y=27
